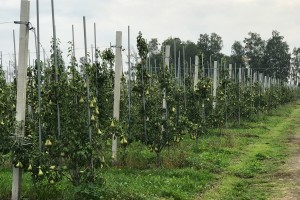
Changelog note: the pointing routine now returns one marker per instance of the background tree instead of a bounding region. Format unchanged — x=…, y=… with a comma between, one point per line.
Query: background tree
x=276, y=60
x=295, y=64
x=210, y=46
x=153, y=46
x=237, y=54
x=254, y=51
x=191, y=50
x=155, y=55
x=174, y=43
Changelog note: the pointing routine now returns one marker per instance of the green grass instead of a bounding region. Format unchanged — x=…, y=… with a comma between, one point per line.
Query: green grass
x=236, y=163
x=29, y=191
x=252, y=176
x=155, y=184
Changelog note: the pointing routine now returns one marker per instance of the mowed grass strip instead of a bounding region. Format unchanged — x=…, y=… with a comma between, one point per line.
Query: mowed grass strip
x=253, y=175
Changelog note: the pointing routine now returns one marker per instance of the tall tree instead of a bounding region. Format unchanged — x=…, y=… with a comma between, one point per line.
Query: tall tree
x=174, y=43
x=295, y=64
x=155, y=55
x=254, y=51
x=191, y=50
x=216, y=43
x=276, y=60
x=210, y=46
x=237, y=54
x=153, y=46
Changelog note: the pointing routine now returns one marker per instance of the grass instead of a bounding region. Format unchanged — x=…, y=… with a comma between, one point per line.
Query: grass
x=155, y=184
x=252, y=176
x=29, y=191
x=238, y=163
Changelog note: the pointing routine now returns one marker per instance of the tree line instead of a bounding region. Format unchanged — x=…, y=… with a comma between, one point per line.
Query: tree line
x=271, y=57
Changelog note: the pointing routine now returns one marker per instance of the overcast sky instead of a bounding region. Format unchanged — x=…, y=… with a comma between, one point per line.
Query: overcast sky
x=231, y=19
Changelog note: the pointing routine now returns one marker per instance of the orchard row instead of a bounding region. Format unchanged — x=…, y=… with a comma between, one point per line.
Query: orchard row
x=158, y=107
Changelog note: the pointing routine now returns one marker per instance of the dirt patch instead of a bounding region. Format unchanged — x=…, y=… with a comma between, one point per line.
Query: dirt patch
x=249, y=135
x=290, y=175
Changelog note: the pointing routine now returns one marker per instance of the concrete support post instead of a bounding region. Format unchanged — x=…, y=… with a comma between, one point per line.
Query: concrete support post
x=230, y=71
x=215, y=84
x=196, y=71
x=167, y=65
x=118, y=70
x=21, y=92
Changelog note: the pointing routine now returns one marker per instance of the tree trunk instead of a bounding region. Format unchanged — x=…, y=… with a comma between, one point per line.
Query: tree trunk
x=158, y=159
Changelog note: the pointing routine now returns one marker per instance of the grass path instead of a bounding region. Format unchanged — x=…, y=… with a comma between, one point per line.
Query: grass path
x=269, y=168
x=288, y=177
